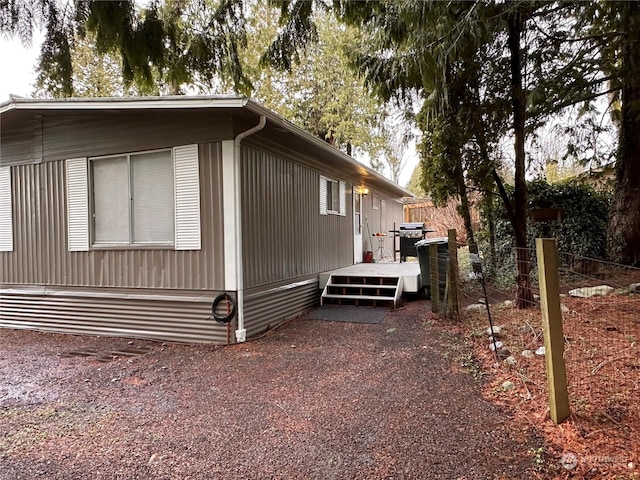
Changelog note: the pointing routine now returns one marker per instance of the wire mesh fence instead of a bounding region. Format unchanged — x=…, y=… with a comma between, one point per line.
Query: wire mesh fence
x=601, y=320
x=518, y=290
x=600, y=305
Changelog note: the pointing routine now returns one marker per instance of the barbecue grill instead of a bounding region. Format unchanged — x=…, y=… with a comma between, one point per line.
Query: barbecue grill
x=409, y=234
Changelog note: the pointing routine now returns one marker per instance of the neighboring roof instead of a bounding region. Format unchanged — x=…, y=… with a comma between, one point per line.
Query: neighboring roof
x=279, y=125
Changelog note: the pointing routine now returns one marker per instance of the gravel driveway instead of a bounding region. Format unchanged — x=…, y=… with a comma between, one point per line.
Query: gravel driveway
x=311, y=399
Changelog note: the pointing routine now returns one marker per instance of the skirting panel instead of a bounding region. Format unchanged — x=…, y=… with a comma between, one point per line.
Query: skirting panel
x=159, y=315
x=269, y=306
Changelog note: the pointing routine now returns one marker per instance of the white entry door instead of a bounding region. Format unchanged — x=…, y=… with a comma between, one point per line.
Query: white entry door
x=357, y=227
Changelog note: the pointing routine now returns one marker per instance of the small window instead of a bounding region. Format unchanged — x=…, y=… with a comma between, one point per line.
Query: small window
x=332, y=197
x=133, y=199
x=375, y=202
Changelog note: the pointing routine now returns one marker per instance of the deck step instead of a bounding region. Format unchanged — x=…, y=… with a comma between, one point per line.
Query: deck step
x=363, y=285
x=361, y=297
x=360, y=289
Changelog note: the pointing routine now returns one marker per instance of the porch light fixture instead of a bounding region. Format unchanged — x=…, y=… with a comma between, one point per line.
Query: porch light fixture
x=364, y=191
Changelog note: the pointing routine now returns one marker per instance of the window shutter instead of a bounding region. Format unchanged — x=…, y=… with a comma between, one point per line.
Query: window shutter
x=187, y=197
x=77, y=205
x=323, y=195
x=343, y=199
x=6, y=211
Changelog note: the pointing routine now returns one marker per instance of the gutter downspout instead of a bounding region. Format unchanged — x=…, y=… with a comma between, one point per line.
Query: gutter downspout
x=241, y=332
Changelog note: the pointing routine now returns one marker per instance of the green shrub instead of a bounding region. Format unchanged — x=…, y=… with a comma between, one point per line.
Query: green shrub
x=582, y=231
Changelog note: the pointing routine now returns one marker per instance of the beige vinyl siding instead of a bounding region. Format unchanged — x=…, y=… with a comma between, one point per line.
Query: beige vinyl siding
x=382, y=219
x=23, y=264
x=62, y=135
x=107, y=133
x=41, y=256
x=394, y=213
x=284, y=234
x=21, y=143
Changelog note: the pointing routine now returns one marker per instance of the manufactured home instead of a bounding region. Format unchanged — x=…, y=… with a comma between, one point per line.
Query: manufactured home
x=195, y=219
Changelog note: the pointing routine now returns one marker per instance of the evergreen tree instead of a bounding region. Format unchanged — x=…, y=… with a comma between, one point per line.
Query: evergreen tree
x=554, y=54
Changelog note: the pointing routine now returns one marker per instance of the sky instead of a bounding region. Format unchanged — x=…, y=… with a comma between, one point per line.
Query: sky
x=19, y=78
x=19, y=62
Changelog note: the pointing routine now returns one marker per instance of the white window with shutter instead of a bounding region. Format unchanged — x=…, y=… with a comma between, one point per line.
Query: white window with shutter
x=145, y=199
x=6, y=211
x=332, y=197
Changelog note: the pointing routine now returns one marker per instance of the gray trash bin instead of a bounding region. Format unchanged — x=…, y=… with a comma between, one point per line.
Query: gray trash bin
x=424, y=259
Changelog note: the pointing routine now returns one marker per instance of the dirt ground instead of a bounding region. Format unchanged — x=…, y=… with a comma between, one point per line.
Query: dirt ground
x=602, y=432
x=311, y=399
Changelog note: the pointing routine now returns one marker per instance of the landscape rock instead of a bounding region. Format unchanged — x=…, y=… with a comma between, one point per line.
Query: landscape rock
x=508, y=385
x=493, y=346
x=510, y=360
x=476, y=307
x=541, y=351
x=508, y=304
x=622, y=291
x=496, y=330
x=587, y=292
x=635, y=287
x=527, y=354
x=564, y=308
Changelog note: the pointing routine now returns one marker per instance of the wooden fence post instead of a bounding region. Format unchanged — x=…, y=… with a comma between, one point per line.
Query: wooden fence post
x=452, y=307
x=552, y=329
x=434, y=278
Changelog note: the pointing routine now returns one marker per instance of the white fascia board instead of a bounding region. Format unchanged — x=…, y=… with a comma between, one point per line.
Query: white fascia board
x=125, y=103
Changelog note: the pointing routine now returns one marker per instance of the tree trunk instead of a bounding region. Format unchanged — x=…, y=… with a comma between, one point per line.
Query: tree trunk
x=465, y=209
x=524, y=296
x=491, y=225
x=624, y=240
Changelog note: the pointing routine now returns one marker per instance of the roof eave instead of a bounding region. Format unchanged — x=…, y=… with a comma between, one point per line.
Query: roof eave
x=185, y=102
x=318, y=142
x=124, y=103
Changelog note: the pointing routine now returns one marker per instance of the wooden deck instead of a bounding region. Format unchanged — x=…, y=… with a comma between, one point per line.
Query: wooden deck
x=409, y=271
